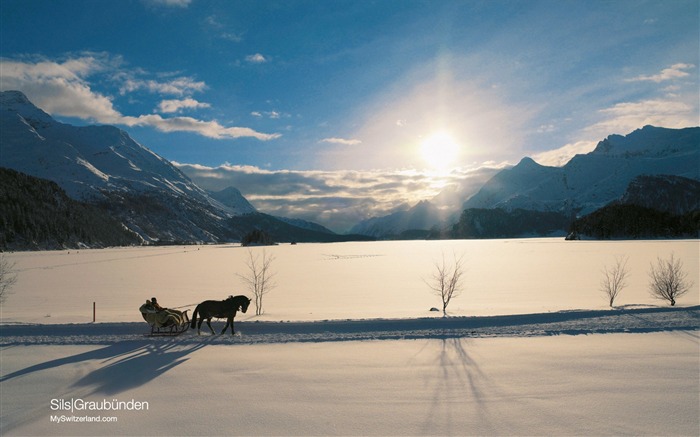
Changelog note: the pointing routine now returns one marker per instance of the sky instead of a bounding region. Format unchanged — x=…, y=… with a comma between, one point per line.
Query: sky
x=336, y=110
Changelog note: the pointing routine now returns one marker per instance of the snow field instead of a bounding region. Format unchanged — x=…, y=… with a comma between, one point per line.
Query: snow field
x=347, y=345
x=615, y=384
x=338, y=281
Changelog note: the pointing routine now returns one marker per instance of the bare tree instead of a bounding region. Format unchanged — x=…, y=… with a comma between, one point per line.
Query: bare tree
x=7, y=277
x=259, y=277
x=667, y=280
x=614, y=279
x=446, y=280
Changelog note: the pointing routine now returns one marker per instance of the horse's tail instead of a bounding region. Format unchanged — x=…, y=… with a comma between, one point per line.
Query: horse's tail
x=194, y=317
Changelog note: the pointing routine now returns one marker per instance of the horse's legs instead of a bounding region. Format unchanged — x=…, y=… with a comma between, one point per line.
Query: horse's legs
x=209, y=324
x=229, y=321
x=199, y=326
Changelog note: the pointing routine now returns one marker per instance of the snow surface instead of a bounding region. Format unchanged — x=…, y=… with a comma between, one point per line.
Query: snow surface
x=348, y=346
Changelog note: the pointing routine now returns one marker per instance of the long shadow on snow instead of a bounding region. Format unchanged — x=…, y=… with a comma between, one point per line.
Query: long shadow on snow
x=561, y=322
x=123, y=365
x=459, y=384
x=132, y=370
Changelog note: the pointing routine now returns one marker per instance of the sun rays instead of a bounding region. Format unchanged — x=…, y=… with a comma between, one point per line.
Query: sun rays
x=440, y=151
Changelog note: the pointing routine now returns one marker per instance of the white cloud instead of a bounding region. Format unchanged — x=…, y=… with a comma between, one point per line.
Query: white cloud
x=559, y=157
x=230, y=36
x=179, y=86
x=623, y=118
x=170, y=106
x=59, y=87
x=627, y=116
x=256, y=58
x=213, y=22
x=63, y=88
x=546, y=128
x=337, y=199
x=342, y=141
x=274, y=115
x=675, y=71
x=211, y=129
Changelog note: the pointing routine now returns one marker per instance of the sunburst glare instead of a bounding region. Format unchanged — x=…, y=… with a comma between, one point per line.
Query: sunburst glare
x=440, y=150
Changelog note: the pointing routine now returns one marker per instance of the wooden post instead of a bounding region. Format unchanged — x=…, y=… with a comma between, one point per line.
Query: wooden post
x=93, y=312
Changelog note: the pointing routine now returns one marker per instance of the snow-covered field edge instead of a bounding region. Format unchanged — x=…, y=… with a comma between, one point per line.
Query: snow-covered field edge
x=631, y=319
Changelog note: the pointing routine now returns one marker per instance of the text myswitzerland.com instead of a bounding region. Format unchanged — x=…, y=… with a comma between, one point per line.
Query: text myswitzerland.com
x=82, y=419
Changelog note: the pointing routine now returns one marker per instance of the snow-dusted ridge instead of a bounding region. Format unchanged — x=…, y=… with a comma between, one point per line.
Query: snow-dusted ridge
x=574, y=322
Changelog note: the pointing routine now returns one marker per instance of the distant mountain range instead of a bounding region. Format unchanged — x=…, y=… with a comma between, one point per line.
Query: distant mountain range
x=423, y=216
x=104, y=167
x=585, y=184
x=121, y=184
x=588, y=182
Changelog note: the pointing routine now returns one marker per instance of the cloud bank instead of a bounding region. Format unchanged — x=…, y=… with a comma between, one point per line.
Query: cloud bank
x=338, y=199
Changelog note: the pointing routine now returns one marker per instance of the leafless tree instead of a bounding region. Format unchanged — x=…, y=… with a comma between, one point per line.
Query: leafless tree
x=7, y=277
x=667, y=280
x=446, y=280
x=614, y=279
x=259, y=278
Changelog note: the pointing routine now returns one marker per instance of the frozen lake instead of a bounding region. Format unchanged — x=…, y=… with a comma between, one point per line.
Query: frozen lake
x=556, y=362
x=339, y=280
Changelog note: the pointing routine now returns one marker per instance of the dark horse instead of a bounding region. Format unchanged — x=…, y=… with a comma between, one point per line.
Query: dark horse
x=219, y=308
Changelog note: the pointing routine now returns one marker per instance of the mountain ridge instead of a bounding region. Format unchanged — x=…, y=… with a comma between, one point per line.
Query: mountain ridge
x=104, y=166
x=589, y=181
x=584, y=184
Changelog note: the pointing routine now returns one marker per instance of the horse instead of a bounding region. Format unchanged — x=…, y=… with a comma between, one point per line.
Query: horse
x=219, y=308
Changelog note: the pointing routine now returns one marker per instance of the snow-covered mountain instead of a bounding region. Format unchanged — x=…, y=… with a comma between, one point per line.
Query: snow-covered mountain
x=232, y=198
x=84, y=161
x=422, y=216
x=585, y=184
x=104, y=166
x=588, y=182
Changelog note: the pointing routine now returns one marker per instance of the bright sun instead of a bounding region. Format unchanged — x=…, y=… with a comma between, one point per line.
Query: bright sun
x=440, y=150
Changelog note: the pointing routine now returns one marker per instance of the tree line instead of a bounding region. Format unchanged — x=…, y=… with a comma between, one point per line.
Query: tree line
x=38, y=214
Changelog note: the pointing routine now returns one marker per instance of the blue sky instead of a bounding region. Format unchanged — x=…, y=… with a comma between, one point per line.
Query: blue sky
x=349, y=94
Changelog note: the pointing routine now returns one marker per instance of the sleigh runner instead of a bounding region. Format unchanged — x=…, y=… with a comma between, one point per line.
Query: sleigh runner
x=165, y=322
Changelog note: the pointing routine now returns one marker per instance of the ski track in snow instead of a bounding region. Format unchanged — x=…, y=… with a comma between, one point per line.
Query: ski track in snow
x=573, y=322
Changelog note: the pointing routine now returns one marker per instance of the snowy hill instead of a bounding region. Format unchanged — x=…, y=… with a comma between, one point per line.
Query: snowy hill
x=588, y=182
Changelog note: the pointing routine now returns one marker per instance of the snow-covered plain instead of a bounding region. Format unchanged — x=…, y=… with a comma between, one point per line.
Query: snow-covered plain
x=348, y=346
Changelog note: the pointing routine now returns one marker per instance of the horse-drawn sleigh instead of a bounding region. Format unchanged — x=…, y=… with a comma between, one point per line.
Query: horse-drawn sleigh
x=171, y=322
x=164, y=321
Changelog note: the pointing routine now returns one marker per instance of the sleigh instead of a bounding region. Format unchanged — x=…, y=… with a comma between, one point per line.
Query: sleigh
x=165, y=322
